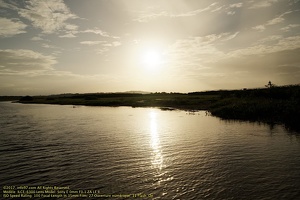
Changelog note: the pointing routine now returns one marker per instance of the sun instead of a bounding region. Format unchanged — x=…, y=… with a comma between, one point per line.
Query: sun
x=151, y=59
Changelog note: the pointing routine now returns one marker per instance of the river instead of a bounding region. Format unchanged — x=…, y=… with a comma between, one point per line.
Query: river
x=146, y=151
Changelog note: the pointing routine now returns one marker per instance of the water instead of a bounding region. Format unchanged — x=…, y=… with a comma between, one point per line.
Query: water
x=163, y=154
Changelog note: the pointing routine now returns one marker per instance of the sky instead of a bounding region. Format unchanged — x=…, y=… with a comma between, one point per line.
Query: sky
x=83, y=46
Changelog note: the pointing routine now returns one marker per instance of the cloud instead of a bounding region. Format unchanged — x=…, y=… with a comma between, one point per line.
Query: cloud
x=49, y=16
x=228, y=36
x=146, y=17
x=99, y=32
x=96, y=31
x=48, y=46
x=289, y=27
x=273, y=21
x=36, y=38
x=23, y=61
x=263, y=4
x=113, y=44
x=68, y=35
x=269, y=39
x=213, y=7
x=259, y=28
x=231, y=9
x=288, y=69
x=217, y=9
x=104, y=43
x=71, y=27
x=261, y=48
x=11, y=27
x=196, y=52
x=200, y=57
x=196, y=12
x=236, y=5
x=70, y=31
x=91, y=43
x=116, y=43
x=102, y=50
x=6, y=5
x=276, y=20
x=230, y=12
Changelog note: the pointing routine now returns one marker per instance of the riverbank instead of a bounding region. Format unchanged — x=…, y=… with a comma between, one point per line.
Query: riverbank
x=273, y=105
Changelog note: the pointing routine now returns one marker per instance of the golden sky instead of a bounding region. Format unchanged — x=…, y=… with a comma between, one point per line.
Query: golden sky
x=56, y=46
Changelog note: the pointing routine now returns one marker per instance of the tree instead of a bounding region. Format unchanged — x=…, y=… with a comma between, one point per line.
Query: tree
x=270, y=85
x=26, y=98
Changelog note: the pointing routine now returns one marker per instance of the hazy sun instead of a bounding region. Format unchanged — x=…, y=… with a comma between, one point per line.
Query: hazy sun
x=151, y=59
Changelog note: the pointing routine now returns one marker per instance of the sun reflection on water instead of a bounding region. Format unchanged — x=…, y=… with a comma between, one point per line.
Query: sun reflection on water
x=157, y=158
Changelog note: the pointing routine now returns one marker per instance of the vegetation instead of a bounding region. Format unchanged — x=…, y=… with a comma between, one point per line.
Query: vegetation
x=10, y=98
x=272, y=104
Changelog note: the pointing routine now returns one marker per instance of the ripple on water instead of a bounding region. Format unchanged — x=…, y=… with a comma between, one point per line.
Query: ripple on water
x=166, y=153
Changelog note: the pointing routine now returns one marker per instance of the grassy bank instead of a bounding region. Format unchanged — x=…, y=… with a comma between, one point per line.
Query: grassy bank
x=270, y=105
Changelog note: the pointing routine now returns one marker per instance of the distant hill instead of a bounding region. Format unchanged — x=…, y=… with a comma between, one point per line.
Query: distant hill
x=137, y=92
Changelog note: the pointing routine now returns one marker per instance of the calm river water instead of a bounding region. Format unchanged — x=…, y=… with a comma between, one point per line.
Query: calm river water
x=159, y=154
